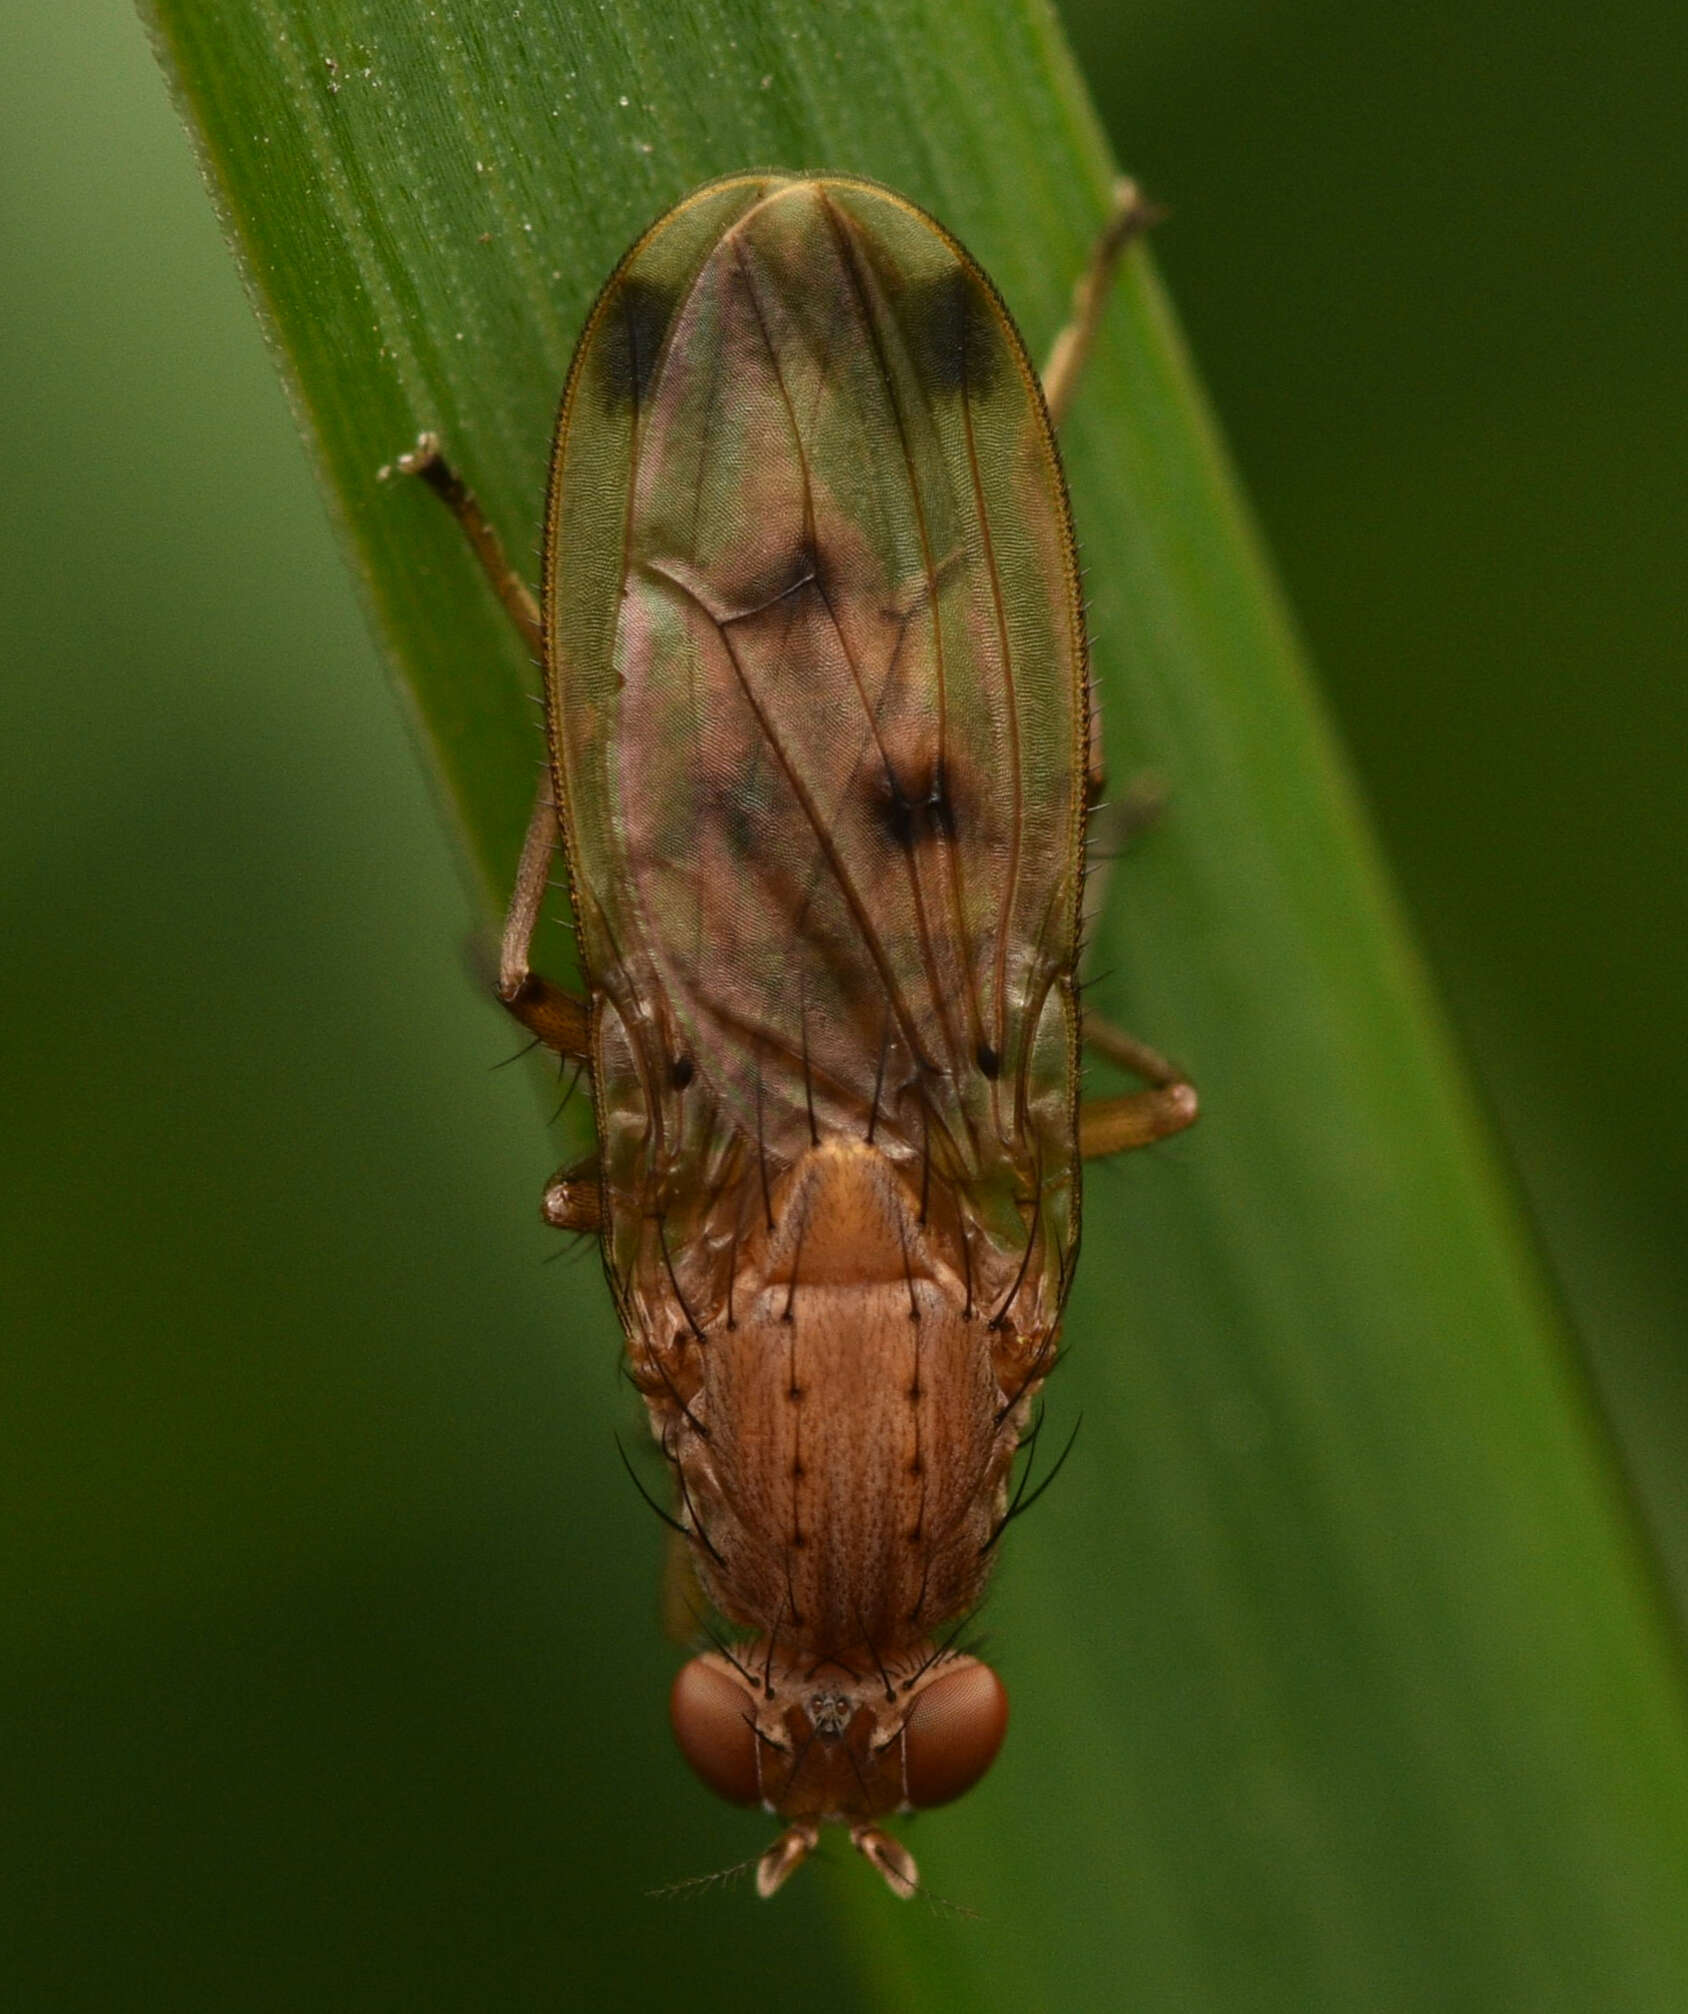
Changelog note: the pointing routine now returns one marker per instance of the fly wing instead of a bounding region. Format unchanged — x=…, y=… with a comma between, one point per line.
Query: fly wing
x=819, y=709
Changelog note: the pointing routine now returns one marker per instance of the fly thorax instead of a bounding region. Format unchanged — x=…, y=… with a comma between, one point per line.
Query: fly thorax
x=844, y=1455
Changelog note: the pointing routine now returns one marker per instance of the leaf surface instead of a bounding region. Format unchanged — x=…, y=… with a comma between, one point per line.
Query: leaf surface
x=1339, y=1678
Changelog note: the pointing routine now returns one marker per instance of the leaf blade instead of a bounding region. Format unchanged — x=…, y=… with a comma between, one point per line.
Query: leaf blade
x=1351, y=1449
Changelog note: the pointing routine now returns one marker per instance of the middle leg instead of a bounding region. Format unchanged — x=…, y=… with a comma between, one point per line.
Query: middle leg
x=1136, y=1118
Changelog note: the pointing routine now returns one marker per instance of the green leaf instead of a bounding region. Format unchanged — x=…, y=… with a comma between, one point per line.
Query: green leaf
x=1340, y=1679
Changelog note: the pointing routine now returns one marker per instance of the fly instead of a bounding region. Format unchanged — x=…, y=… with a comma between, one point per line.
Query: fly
x=820, y=732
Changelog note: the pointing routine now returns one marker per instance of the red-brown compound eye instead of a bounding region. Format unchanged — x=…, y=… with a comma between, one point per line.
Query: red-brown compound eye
x=714, y=1718
x=954, y=1730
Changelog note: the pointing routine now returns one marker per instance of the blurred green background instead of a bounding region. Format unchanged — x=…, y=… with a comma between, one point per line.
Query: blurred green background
x=289, y=1483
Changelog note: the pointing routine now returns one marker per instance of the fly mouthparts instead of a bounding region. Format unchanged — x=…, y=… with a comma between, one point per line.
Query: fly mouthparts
x=890, y=1856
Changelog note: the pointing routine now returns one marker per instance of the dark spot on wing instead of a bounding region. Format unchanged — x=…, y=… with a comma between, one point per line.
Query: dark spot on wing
x=990, y=1063
x=952, y=333
x=909, y=809
x=940, y=805
x=738, y=828
x=774, y=582
x=894, y=813
x=680, y=1072
x=630, y=337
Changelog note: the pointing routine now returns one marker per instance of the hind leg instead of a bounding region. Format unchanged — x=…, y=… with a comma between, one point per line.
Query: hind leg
x=1131, y=216
x=557, y=1018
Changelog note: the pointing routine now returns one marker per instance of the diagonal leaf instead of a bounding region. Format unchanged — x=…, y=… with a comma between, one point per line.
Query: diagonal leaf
x=1340, y=1680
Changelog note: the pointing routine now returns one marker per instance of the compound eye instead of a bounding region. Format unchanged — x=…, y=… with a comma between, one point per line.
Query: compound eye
x=953, y=1732
x=714, y=1720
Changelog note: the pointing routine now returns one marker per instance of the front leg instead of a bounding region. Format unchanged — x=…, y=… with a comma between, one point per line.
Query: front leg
x=573, y=1198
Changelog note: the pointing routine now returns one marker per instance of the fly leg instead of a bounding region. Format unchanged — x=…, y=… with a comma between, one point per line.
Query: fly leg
x=573, y=1200
x=1137, y=1118
x=427, y=461
x=1131, y=216
x=1114, y=829
x=1168, y=1102
x=557, y=1018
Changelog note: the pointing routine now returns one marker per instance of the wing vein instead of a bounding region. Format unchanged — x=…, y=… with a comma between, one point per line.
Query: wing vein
x=858, y=286
x=817, y=825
